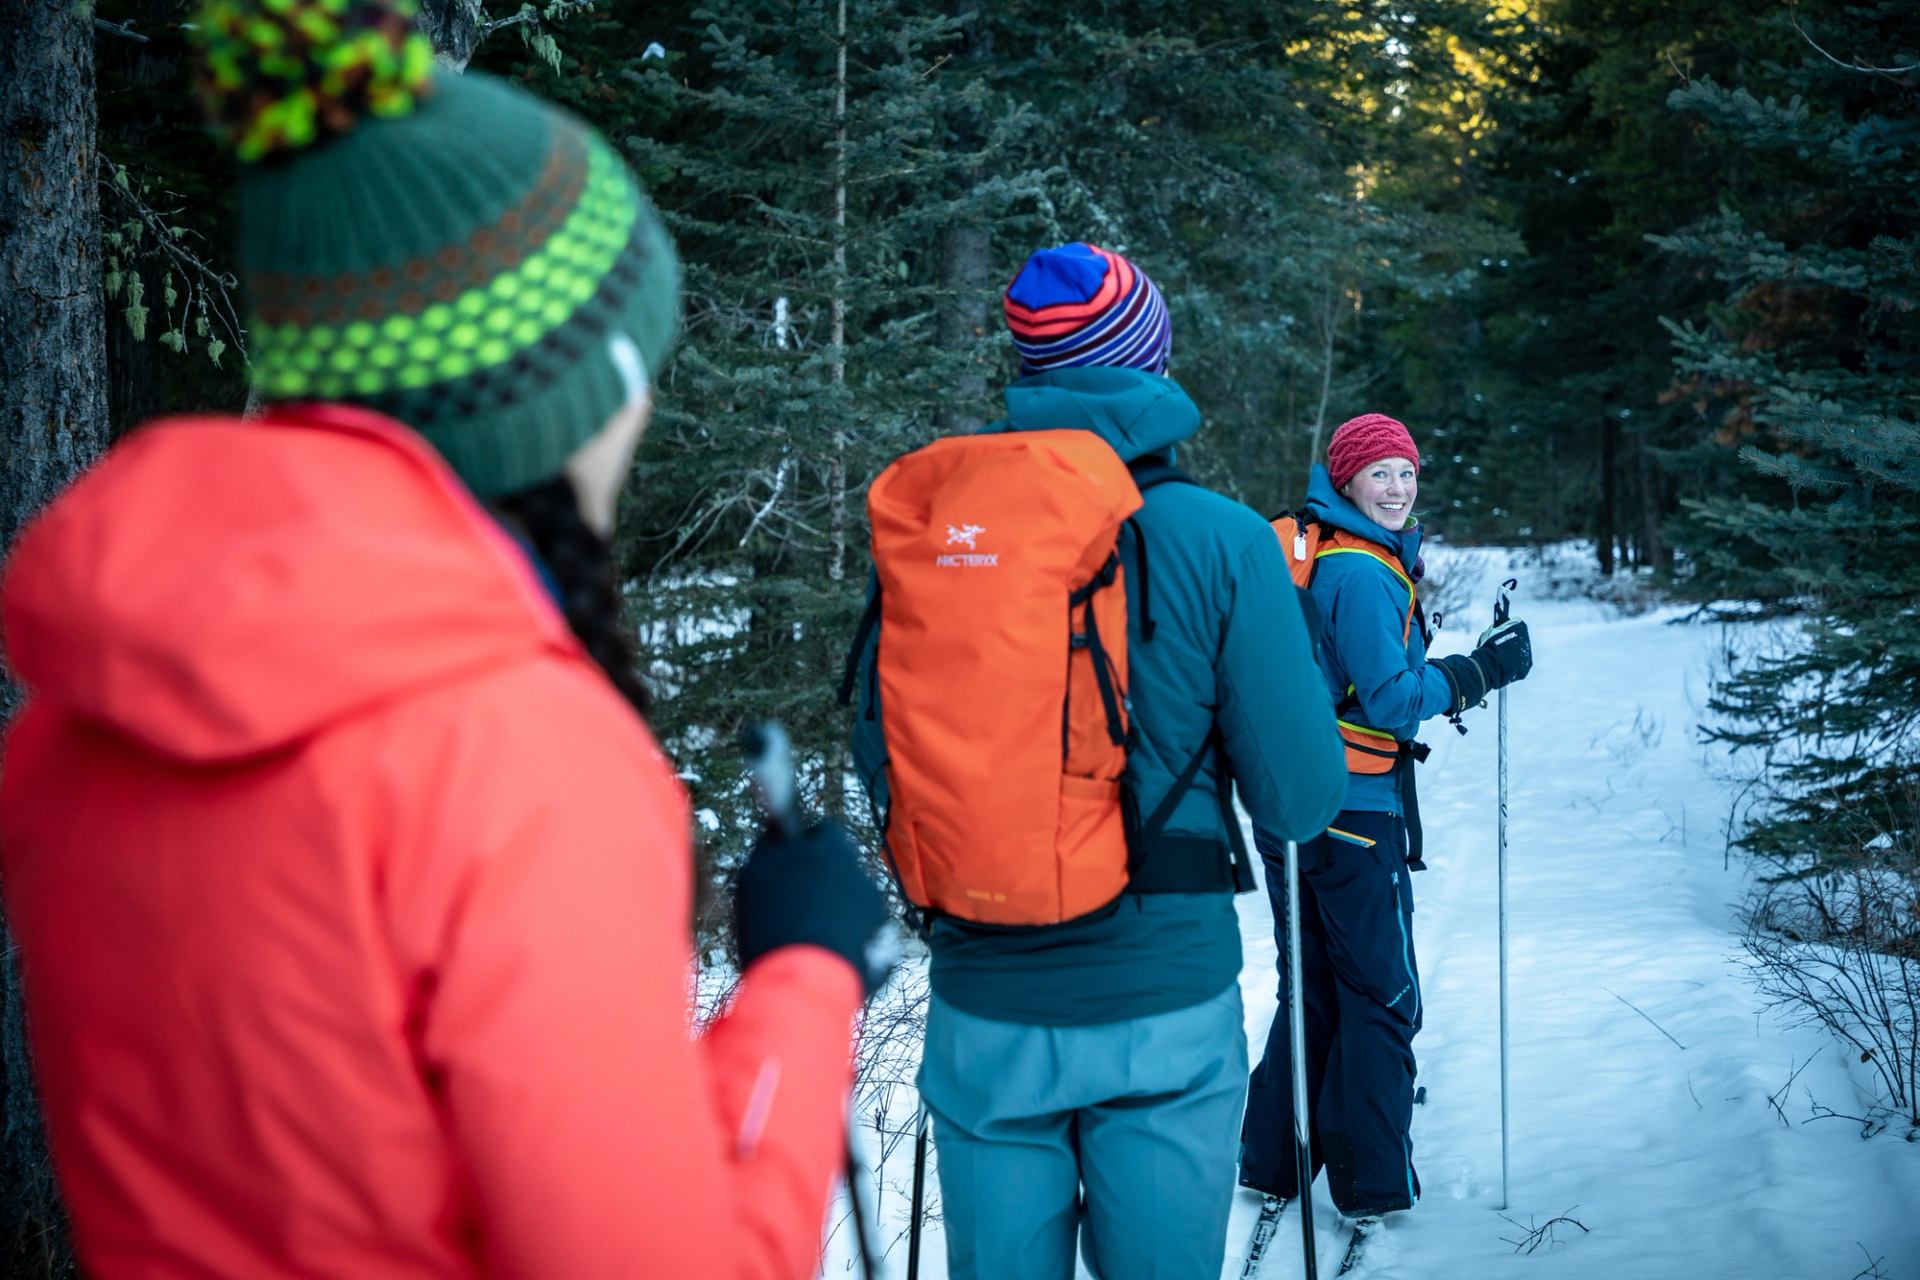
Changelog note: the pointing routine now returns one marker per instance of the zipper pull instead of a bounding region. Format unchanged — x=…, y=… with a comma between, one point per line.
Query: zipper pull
x=1300, y=544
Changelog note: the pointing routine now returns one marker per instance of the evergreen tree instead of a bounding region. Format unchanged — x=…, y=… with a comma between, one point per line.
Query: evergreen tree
x=1257, y=160
x=806, y=159
x=1276, y=208
x=1811, y=357
x=1579, y=430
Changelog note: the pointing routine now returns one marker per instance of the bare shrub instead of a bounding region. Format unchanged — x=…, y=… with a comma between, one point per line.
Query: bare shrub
x=1451, y=587
x=1547, y=1234
x=886, y=1101
x=1842, y=951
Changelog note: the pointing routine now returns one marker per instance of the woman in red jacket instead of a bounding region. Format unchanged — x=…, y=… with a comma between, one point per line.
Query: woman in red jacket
x=351, y=891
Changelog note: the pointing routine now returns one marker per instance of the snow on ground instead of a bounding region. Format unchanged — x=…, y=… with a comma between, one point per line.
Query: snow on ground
x=1642, y=1062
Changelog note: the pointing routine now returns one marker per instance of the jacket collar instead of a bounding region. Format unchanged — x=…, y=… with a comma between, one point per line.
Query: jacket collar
x=1138, y=413
x=1332, y=507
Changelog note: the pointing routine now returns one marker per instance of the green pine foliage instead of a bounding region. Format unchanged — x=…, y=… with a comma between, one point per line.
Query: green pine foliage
x=1209, y=147
x=809, y=198
x=1810, y=354
x=1583, y=432
x=1275, y=169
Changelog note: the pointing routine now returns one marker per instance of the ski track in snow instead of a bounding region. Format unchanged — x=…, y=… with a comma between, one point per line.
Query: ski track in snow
x=1673, y=1158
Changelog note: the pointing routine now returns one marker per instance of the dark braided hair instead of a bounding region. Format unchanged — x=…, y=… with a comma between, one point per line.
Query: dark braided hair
x=581, y=563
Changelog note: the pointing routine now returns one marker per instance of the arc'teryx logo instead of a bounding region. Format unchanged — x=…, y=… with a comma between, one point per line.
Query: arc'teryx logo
x=964, y=535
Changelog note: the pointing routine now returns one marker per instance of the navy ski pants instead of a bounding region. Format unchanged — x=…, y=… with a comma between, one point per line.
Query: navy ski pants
x=1362, y=1010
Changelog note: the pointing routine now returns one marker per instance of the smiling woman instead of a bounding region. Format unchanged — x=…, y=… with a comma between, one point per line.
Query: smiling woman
x=1361, y=983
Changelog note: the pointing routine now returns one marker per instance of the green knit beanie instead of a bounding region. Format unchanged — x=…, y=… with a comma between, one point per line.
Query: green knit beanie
x=444, y=249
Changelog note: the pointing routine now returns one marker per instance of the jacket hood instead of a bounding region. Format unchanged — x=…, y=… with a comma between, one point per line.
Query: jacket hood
x=1333, y=507
x=217, y=588
x=1138, y=413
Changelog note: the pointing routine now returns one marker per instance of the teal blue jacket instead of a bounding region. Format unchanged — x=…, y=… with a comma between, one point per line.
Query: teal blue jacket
x=1229, y=663
x=1363, y=606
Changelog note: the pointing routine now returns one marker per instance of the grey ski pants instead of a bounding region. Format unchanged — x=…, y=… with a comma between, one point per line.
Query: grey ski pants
x=1122, y=1138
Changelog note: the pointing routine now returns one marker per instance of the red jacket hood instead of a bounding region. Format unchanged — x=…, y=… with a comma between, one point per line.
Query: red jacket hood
x=216, y=588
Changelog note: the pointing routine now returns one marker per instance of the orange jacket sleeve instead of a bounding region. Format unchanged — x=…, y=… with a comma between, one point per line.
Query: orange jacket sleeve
x=543, y=918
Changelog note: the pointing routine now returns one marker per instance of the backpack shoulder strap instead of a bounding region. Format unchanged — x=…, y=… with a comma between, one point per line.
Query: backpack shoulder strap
x=1300, y=536
x=1340, y=542
x=1149, y=472
x=869, y=619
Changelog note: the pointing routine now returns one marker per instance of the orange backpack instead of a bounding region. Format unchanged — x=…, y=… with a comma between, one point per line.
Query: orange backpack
x=1306, y=542
x=1002, y=673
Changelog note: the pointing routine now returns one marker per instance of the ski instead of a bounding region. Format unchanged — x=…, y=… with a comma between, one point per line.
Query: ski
x=1271, y=1207
x=1364, y=1227
x=1357, y=1243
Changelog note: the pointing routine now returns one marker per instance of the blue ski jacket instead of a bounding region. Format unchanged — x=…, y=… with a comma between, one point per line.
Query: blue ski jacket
x=1228, y=673
x=1364, y=606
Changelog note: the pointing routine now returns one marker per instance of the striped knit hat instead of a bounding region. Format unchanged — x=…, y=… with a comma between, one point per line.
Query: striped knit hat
x=1081, y=304
x=444, y=249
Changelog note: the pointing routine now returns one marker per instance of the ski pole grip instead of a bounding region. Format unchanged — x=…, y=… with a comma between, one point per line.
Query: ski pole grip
x=769, y=756
x=1502, y=607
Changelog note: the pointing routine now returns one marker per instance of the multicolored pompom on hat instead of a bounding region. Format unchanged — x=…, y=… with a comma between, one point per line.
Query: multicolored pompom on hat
x=1081, y=304
x=444, y=249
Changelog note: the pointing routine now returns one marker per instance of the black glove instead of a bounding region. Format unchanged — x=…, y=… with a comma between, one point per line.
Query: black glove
x=810, y=889
x=1505, y=655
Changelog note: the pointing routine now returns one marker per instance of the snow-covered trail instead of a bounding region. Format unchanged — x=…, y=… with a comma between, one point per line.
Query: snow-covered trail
x=1672, y=1157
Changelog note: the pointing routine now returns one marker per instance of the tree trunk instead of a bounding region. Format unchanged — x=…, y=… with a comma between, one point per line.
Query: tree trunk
x=836, y=762
x=453, y=27
x=53, y=414
x=966, y=251
x=966, y=269
x=1329, y=331
x=53, y=422
x=837, y=462
x=1653, y=545
x=1609, y=492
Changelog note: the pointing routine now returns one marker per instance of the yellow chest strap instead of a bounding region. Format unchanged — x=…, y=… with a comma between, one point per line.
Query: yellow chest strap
x=1406, y=627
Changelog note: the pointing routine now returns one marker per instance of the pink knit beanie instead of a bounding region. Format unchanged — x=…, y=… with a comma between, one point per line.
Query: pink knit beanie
x=1368, y=438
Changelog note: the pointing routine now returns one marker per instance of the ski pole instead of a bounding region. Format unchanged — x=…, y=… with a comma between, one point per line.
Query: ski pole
x=769, y=755
x=919, y=1193
x=1501, y=611
x=1297, y=1033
